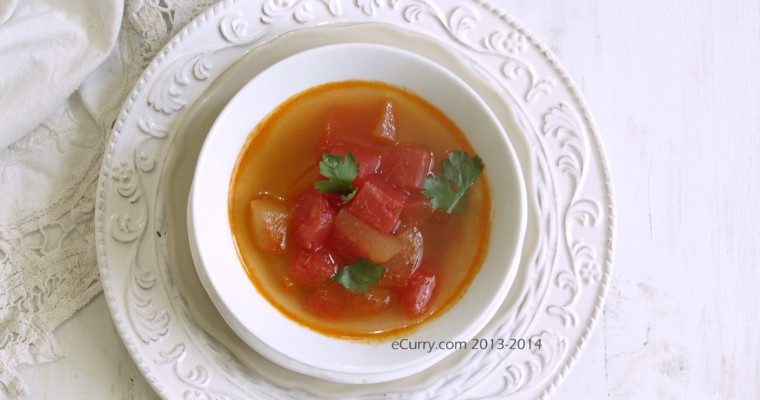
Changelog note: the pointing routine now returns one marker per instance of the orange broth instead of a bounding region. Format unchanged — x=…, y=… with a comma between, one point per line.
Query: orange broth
x=279, y=160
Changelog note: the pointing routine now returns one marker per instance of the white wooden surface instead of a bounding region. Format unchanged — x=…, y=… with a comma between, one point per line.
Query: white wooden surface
x=675, y=89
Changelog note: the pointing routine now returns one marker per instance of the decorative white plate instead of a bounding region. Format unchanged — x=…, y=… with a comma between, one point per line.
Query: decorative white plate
x=181, y=348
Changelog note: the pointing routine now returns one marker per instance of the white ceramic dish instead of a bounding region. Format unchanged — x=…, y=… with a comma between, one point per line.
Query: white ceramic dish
x=218, y=338
x=260, y=324
x=168, y=324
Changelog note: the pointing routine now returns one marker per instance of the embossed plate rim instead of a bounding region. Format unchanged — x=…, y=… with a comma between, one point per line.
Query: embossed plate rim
x=459, y=17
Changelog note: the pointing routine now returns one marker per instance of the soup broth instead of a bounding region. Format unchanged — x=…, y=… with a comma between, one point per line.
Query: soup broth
x=380, y=125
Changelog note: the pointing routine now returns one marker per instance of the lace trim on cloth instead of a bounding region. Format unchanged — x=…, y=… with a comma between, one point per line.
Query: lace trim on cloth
x=48, y=267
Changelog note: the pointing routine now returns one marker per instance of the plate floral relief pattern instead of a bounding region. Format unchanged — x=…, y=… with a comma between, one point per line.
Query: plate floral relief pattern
x=566, y=282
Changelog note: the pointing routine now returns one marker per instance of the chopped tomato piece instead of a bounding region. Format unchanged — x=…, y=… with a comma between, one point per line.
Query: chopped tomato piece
x=369, y=160
x=417, y=208
x=312, y=269
x=363, y=239
x=346, y=123
x=328, y=300
x=268, y=219
x=312, y=220
x=372, y=302
x=385, y=130
x=379, y=204
x=415, y=297
x=400, y=268
x=406, y=166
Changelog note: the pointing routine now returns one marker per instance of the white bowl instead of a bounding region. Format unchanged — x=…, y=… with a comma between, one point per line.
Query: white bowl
x=260, y=324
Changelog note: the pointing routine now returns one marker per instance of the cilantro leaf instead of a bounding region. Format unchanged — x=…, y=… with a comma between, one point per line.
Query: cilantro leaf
x=340, y=172
x=449, y=190
x=358, y=276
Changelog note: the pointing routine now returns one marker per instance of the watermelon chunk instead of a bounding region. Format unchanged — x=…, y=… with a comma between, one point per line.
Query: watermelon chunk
x=312, y=269
x=369, y=160
x=340, y=247
x=385, y=130
x=328, y=300
x=378, y=204
x=416, y=296
x=312, y=220
x=406, y=166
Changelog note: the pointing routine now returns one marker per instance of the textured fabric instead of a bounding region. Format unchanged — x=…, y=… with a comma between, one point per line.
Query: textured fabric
x=64, y=74
x=47, y=48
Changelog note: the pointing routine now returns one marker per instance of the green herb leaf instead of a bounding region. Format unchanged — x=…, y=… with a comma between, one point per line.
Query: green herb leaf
x=340, y=172
x=358, y=276
x=449, y=190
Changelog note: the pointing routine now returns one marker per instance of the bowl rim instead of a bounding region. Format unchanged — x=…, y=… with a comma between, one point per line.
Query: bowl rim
x=204, y=250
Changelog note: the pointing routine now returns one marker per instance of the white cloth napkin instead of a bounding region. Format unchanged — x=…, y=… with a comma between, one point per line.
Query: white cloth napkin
x=47, y=48
x=64, y=75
